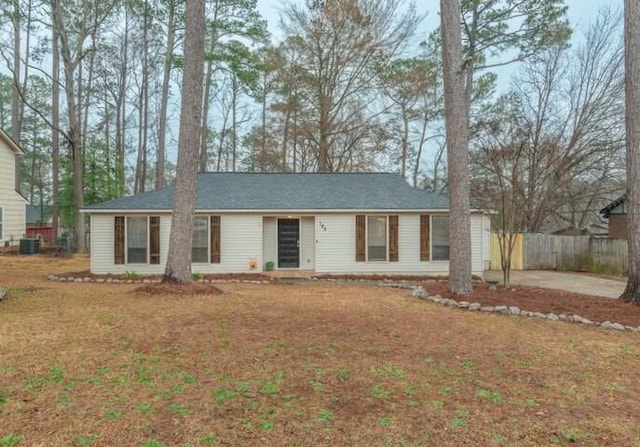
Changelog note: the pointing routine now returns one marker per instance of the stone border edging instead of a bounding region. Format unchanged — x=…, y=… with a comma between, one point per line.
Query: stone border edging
x=420, y=293
x=145, y=280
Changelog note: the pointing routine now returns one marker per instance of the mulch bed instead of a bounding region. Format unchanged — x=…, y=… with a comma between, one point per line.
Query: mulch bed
x=537, y=299
x=374, y=277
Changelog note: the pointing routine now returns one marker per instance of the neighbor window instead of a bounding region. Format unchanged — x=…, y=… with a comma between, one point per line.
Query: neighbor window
x=376, y=238
x=137, y=240
x=440, y=238
x=200, y=247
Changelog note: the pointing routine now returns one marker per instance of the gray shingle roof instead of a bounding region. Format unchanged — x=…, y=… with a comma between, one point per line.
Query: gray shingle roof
x=309, y=191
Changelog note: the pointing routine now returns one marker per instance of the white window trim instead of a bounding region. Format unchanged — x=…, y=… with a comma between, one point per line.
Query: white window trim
x=386, y=231
x=2, y=219
x=208, y=218
x=431, y=239
x=126, y=242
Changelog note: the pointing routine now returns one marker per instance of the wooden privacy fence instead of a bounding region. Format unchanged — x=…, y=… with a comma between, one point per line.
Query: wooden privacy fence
x=551, y=252
x=517, y=256
x=555, y=252
x=609, y=256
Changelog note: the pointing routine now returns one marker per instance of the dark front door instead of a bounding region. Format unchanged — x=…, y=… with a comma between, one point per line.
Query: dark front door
x=288, y=243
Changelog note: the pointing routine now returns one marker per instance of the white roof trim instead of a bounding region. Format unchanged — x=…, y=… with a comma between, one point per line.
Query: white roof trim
x=12, y=144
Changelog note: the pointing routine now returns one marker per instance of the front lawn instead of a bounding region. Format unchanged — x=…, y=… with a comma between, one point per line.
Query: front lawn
x=297, y=365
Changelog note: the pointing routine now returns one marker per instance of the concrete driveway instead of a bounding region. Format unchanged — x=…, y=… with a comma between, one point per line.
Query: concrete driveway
x=570, y=281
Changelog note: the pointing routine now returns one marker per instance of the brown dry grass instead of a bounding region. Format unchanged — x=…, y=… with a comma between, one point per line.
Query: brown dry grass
x=299, y=365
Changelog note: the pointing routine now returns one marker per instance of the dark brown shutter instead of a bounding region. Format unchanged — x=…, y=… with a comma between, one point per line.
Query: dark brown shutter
x=118, y=245
x=393, y=239
x=154, y=239
x=361, y=238
x=425, y=243
x=215, y=239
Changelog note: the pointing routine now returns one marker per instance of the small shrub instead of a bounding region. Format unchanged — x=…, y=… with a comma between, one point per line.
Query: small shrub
x=196, y=276
x=131, y=274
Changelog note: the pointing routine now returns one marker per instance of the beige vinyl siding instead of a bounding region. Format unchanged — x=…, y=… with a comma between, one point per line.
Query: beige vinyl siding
x=241, y=243
x=486, y=241
x=477, y=246
x=335, y=248
x=307, y=243
x=13, y=204
x=269, y=246
x=102, y=246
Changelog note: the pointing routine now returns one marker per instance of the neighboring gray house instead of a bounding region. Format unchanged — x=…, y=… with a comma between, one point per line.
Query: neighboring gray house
x=351, y=223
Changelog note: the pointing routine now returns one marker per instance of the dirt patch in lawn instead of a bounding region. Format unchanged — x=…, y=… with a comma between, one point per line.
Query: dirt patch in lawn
x=177, y=289
x=536, y=299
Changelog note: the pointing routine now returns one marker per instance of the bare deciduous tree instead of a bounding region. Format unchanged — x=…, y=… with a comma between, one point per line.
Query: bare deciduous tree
x=340, y=42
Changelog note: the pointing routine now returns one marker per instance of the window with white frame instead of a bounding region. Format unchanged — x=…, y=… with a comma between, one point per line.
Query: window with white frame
x=440, y=238
x=137, y=239
x=376, y=238
x=200, y=247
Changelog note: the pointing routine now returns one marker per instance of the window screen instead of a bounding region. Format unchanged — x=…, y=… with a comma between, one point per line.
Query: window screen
x=200, y=248
x=137, y=240
x=440, y=238
x=377, y=238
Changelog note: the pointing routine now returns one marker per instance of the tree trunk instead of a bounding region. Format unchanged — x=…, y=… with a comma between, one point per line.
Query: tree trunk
x=456, y=118
x=16, y=102
x=74, y=137
x=405, y=141
x=285, y=135
x=325, y=127
x=234, y=123
x=178, y=267
x=143, y=112
x=423, y=135
x=263, y=136
x=205, y=118
x=166, y=78
x=55, y=135
x=632, y=87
